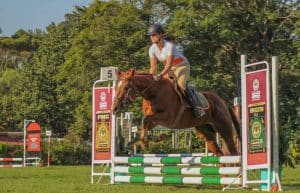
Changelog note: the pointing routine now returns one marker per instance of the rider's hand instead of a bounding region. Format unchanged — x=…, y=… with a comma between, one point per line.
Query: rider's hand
x=157, y=77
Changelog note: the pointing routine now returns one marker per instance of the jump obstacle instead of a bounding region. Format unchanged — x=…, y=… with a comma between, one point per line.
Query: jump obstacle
x=11, y=162
x=189, y=168
x=187, y=174
x=31, y=147
x=168, y=173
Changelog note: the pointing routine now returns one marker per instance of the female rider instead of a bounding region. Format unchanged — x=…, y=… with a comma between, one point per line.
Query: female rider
x=173, y=60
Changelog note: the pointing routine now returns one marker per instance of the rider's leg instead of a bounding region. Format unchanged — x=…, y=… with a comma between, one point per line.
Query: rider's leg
x=198, y=111
x=183, y=73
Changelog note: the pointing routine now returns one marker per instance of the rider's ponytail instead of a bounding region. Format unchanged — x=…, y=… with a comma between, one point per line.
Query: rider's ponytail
x=169, y=37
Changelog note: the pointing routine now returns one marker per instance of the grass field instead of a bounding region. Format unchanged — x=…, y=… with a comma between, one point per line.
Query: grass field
x=76, y=179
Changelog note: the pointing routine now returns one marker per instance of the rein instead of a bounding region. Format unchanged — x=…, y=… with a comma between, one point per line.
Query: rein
x=143, y=91
x=136, y=91
x=153, y=81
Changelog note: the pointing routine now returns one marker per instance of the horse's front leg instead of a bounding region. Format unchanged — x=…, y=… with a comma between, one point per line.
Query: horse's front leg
x=153, y=115
x=162, y=117
x=143, y=133
x=150, y=122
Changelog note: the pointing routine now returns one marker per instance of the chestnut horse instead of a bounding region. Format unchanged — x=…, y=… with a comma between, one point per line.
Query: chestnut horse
x=163, y=106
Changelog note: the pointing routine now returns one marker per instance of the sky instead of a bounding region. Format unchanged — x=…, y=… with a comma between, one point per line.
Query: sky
x=34, y=14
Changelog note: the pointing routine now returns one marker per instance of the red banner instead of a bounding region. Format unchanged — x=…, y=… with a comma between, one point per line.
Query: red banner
x=33, y=126
x=257, y=117
x=33, y=142
x=102, y=123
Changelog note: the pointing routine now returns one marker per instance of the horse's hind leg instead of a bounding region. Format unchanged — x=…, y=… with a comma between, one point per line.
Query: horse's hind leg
x=225, y=128
x=209, y=135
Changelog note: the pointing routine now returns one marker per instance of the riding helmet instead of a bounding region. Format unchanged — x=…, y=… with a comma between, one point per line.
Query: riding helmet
x=156, y=29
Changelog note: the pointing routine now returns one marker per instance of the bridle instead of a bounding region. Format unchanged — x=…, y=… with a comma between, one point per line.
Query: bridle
x=129, y=97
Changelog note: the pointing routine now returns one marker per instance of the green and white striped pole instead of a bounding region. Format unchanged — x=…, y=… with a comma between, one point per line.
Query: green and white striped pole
x=172, y=170
x=179, y=180
x=179, y=160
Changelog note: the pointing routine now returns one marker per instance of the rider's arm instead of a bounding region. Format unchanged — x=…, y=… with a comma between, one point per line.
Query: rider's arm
x=153, y=63
x=153, y=60
x=168, y=65
x=170, y=52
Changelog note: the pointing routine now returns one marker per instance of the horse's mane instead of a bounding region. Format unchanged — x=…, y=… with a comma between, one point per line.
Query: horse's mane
x=143, y=73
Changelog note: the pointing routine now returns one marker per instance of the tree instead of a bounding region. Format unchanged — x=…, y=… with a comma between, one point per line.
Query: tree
x=114, y=35
x=214, y=34
x=19, y=48
x=10, y=114
x=41, y=92
x=48, y=76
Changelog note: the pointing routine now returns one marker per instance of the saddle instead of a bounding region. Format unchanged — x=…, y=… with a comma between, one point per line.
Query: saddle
x=199, y=99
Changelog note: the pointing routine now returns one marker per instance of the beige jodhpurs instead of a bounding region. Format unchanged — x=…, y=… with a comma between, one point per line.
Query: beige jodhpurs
x=182, y=73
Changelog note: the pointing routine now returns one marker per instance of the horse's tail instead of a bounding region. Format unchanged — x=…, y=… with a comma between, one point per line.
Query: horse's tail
x=235, y=122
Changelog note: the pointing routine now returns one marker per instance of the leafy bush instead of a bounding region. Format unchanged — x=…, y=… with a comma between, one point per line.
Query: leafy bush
x=66, y=153
x=10, y=150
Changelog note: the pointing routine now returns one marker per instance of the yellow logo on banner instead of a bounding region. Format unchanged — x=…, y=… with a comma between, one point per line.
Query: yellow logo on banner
x=102, y=134
x=256, y=129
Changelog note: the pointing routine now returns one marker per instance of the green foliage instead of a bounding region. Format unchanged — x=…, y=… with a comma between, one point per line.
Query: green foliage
x=113, y=36
x=161, y=142
x=10, y=150
x=288, y=149
x=11, y=113
x=66, y=153
x=215, y=33
x=23, y=40
x=48, y=76
x=19, y=49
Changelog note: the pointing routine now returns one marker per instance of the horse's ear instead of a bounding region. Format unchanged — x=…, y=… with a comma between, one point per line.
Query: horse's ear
x=132, y=71
x=118, y=73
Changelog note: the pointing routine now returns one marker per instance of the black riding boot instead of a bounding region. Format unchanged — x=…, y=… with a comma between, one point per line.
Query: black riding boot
x=190, y=94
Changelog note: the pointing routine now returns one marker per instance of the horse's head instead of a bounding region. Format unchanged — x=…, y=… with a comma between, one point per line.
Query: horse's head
x=125, y=93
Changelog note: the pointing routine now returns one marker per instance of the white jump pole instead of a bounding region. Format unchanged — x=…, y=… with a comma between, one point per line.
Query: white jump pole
x=244, y=124
x=275, y=121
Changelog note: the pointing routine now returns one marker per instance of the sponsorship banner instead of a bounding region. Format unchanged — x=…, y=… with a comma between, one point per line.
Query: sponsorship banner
x=102, y=123
x=103, y=134
x=33, y=137
x=257, y=133
x=33, y=142
x=257, y=117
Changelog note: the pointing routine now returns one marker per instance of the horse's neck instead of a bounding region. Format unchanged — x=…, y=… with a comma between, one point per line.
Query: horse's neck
x=142, y=82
